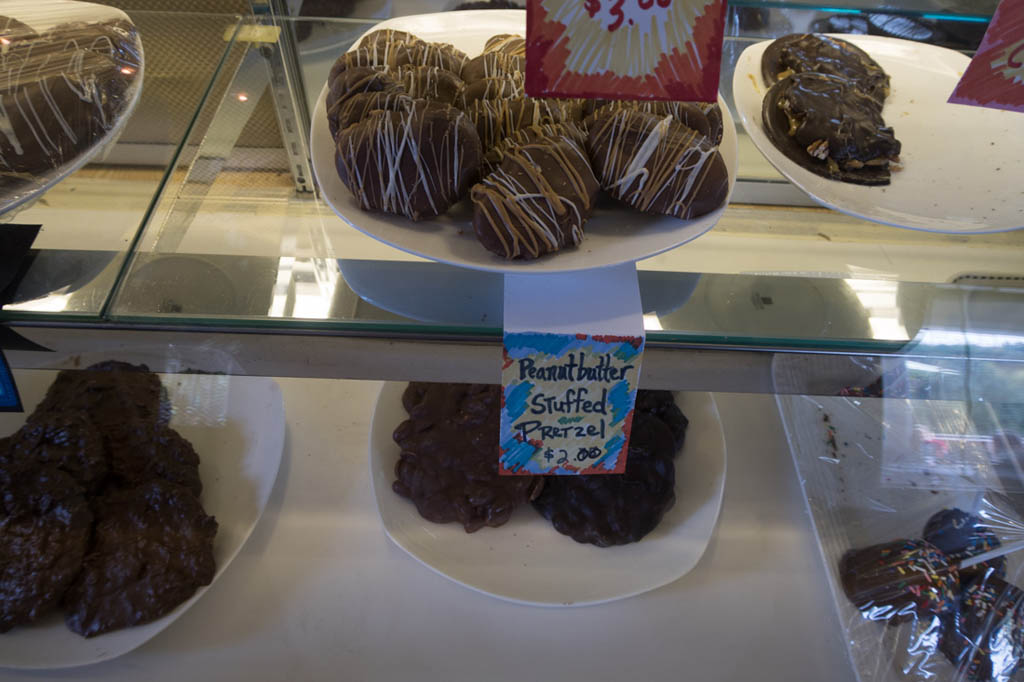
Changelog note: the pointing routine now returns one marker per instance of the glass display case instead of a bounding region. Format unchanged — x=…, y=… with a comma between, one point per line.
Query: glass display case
x=199, y=244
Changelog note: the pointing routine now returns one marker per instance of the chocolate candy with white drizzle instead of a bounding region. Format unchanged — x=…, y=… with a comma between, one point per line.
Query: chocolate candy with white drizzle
x=656, y=164
x=416, y=162
x=537, y=201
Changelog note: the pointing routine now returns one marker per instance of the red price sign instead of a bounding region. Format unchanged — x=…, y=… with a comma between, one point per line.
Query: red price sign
x=995, y=76
x=624, y=49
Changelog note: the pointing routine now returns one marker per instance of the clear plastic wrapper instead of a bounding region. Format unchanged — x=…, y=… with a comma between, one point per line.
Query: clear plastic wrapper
x=69, y=74
x=903, y=494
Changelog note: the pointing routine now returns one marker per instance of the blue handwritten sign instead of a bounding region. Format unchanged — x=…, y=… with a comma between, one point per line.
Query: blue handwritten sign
x=10, y=401
x=568, y=402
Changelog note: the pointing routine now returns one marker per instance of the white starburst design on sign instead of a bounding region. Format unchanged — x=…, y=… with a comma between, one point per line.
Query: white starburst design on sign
x=1011, y=62
x=624, y=37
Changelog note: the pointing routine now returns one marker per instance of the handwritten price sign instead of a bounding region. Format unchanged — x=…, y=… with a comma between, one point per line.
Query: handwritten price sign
x=568, y=402
x=625, y=49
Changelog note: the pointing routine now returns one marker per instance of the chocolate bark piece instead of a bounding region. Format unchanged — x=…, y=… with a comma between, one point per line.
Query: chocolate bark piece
x=61, y=91
x=493, y=65
x=656, y=164
x=449, y=461
x=499, y=87
x=496, y=119
x=830, y=127
x=895, y=580
x=416, y=162
x=817, y=53
x=984, y=638
x=714, y=115
x=662, y=404
x=430, y=82
x=355, y=108
x=555, y=131
x=138, y=452
x=441, y=55
x=687, y=113
x=615, y=509
x=354, y=81
x=44, y=531
x=152, y=548
x=537, y=201
x=508, y=43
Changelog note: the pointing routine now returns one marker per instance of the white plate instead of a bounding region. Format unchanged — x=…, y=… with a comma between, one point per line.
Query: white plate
x=23, y=194
x=237, y=426
x=961, y=164
x=614, y=235
x=527, y=561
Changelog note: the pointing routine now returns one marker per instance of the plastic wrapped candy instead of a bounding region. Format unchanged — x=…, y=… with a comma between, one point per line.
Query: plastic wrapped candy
x=69, y=73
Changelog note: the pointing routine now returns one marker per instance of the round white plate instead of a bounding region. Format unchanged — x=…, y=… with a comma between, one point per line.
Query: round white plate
x=527, y=560
x=237, y=426
x=614, y=234
x=22, y=194
x=961, y=164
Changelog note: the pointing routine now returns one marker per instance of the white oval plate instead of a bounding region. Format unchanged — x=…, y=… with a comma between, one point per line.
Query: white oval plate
x=961, y=164
x=237, y=426
x=527, y=561
x=614, y=235
x=23, y=194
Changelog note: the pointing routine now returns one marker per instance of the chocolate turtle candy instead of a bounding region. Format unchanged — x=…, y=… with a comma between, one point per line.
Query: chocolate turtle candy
x=537, y=201
x=656, y=164
x=492, y=65
x=616, y=509
x=817, y=53
x=416, y=162
x=430, y=82
x=687, y=113
x=960, y=536
x=984, y=639
x=496, y=119
x=828, y=126
x=449, y=461
x=535, y=133
x=895, y=580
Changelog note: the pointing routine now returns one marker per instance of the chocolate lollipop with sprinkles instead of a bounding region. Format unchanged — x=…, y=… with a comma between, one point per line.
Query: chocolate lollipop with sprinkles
x=961, y=535
x=894, y=581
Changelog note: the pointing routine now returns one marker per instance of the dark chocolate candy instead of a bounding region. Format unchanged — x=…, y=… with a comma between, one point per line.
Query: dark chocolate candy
x=355, y=108
x=385, y=37
x=537, y=201
x=490, y=88
x=831, y=128
x=817, y=53
x=492, y=65
x=895, y=580
x=440, y=55
x=416, y=162
x=67, y=440
x=662, y=404
x=494, y=156
x=152, y=547
x=656, y=164
x=507, y=43
x=44, y=533
x=960, y=536
x=354, y=81
x=615, y=509
x=687, y=113
x=496, y=119
x=430, y=82
x=984, y=639
x=60, y=92
x=449, y=461
x=714, y=115
x=378, y=57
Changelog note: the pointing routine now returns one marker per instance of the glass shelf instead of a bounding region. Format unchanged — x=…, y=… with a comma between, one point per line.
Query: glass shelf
x=231, y=242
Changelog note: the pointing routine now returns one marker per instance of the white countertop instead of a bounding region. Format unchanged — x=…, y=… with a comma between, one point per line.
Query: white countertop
x=319, y=592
